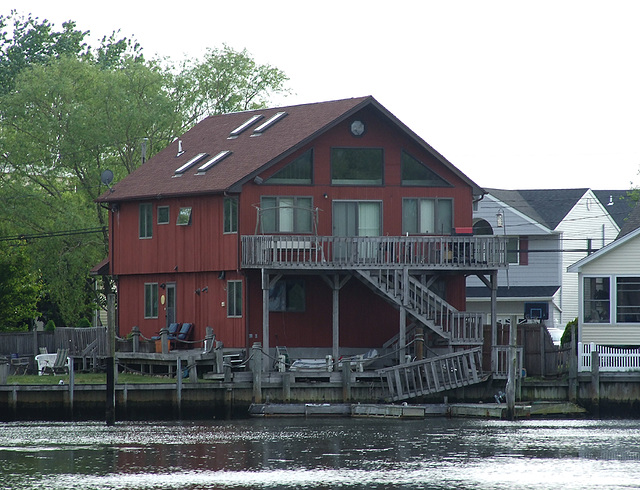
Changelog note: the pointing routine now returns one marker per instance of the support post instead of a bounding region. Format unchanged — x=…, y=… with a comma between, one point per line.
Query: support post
x=179, y=386
x=265, y=313
x=72, y=381
x=402, y=336
x=346, y=381
x=256, y=357
x=111, y=342
x=419, y=343
x=573, y=367
x=135, y=338
x=286, y=387
x=164, y=340
x=494, y=322
x=512, y=376
x=595, y=383
x=335, y=318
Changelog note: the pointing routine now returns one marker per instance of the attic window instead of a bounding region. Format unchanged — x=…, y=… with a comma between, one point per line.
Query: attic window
x=191, y=163
x=244, y=126
x=217, y=159
x=268, y=123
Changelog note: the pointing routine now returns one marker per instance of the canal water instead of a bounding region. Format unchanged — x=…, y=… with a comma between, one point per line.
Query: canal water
x=436, y=453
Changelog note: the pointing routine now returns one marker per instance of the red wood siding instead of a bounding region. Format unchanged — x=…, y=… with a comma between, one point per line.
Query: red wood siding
x=379, y=134
x=365, y=319
x=201, y=246
x=205, y=309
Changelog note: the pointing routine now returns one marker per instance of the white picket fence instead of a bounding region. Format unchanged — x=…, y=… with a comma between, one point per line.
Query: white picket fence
x=612, y=359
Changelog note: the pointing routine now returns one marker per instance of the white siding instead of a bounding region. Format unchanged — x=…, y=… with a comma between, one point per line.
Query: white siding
x=587, y=220
x=624, y=259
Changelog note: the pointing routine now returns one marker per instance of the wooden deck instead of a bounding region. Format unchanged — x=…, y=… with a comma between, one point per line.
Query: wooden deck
x=333, y=252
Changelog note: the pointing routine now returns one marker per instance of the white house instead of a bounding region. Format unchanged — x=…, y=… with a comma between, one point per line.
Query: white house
x=609, y=295
x=547, y=231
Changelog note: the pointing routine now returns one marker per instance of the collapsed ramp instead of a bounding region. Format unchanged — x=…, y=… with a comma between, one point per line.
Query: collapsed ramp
x=434, y=374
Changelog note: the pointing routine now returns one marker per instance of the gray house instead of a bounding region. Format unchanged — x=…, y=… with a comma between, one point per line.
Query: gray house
x=547, y=231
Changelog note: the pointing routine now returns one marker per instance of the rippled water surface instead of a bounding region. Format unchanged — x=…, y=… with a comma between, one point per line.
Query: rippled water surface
x=322, y=454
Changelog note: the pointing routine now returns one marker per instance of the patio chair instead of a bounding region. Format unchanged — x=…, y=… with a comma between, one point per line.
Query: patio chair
x=182, y=336
x=173, y=330
x=59, y=365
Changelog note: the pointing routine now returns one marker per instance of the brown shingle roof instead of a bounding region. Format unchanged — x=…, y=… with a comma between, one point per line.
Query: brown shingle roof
x=250, y=154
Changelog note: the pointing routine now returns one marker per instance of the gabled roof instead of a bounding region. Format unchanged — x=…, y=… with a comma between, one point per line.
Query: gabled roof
x=631, y=223
x=604, y=250
x=546, y=206
x=618, y=204
x=249, y=152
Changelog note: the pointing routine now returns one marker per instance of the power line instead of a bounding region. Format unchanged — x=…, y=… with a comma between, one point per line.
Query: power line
x=50, y=234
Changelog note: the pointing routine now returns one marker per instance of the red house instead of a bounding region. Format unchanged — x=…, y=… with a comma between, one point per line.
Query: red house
x=330, y=228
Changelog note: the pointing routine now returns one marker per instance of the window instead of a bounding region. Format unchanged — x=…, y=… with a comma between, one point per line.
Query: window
x=234, y=299
x=287, y=295
x=512, y=250
x=518, y=250
x=184, y=217
x=151, y=300
x=357, y=166
x=286, y=214
x=415, y=172
x=163, y=215
x=427, y=216
x=146, y=220
x=596, y=300
x=628, y=300
x=230, y=215
x=299, y=172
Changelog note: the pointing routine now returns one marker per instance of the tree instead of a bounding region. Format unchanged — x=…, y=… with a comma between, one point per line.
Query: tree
x=20, y=287
x=69, y=111
x=225, y=81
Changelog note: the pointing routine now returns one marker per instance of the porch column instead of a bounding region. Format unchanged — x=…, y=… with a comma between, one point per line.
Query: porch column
x=265, y=315
x=494, y=322
x=402, y=331
x=335, y=318
x=402, y=336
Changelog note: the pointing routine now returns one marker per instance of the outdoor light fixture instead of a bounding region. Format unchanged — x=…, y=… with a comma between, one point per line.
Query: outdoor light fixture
x=198, y=291
x=500, y=219
x=163, y=285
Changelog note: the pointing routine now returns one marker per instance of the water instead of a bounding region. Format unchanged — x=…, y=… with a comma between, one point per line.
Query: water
x=322, y=454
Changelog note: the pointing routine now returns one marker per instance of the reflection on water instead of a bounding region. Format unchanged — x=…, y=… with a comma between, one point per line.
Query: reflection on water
x=322, y=454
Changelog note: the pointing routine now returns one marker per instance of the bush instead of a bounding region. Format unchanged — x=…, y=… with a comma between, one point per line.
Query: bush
x=83, y=323
x=50, y=326
x=571, y=327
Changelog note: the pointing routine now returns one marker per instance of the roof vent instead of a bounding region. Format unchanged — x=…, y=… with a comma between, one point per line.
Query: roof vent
x=191, y=163
x=180, y=150
x=216, y=159
x=268, y=123
x=236, y=132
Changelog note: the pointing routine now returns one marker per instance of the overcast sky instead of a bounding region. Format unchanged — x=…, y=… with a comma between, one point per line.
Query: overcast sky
x=517, y=95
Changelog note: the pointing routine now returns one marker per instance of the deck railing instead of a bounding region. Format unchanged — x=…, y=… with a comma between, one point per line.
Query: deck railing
x=446, y=252
x=611, y=359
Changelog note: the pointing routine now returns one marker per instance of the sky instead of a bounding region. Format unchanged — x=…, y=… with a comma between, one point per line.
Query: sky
x=517, y=95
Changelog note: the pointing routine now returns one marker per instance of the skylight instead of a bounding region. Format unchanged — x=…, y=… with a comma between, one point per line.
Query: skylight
x=191, y=163
x=216, y=159
x=244, y=125
x=268, y=123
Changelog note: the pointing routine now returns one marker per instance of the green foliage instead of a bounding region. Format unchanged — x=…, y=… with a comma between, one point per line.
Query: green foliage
x=83, y=323
x=50, y=326
x=225, y=81
x=570, y=330
x=68, y=111
x=20, y=287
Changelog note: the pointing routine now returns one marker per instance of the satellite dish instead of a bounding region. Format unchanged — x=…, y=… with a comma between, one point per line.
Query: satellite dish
x=106, y=177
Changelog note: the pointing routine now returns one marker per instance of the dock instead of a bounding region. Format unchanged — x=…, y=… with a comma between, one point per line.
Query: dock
x=414, y=411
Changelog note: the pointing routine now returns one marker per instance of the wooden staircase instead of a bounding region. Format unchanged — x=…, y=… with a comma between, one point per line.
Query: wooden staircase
x=404, y=290
x=433, y=375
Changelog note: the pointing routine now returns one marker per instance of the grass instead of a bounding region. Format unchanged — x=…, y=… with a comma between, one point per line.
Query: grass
x=85, y=378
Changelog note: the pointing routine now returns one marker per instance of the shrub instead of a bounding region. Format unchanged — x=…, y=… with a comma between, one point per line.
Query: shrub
x=83, y=323
x=50, y=326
